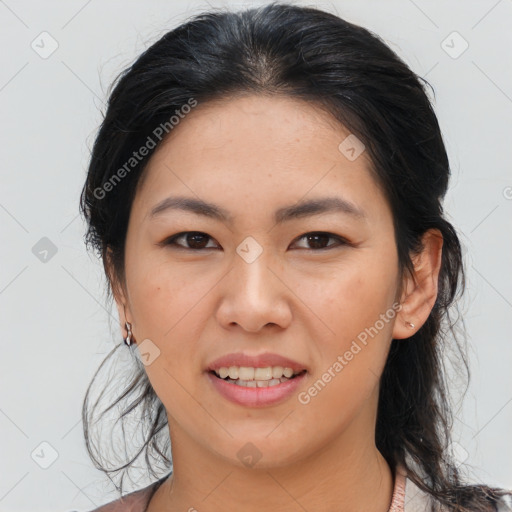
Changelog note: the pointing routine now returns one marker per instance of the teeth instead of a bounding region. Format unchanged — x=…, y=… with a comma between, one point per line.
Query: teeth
x=249, y=375
x=288, y=372
x=277, y=372
x=257, y=383
x=246, y=373
x=263, y=373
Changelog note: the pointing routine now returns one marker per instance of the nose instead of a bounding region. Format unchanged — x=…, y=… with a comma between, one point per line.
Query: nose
x=254, y=295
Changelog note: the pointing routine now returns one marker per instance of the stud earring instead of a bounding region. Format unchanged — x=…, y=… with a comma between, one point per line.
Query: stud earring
x=128, y=340
x=409, y=325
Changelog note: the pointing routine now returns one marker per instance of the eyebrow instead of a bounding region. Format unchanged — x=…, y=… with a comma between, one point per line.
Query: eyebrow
x=295, y=211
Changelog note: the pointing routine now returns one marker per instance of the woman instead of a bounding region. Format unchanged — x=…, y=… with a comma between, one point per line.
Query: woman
x=266, y=193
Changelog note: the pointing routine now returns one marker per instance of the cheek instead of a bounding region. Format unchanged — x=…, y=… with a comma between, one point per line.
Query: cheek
x=164, y=296
x=165, y=306
x=356, y=306
x=351, y=300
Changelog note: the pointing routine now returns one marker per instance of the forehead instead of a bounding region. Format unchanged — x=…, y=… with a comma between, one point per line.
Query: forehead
x=257, y=146
x=285, y=119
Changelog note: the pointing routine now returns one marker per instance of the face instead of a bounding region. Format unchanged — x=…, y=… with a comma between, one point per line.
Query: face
x=272, y=284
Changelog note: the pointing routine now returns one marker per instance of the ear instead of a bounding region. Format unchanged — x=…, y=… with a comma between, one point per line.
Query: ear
x=119, y=294
x=420, y=290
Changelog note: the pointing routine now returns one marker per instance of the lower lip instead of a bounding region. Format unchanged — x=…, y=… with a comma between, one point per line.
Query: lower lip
x=256, y=397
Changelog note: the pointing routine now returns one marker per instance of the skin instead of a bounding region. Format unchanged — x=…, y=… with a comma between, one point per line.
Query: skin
x=252, y=155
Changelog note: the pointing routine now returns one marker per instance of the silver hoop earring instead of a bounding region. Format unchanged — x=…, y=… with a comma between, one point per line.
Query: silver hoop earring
x=128, y=340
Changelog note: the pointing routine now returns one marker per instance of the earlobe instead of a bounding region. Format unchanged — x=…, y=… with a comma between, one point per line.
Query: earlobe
x=420, y=289
x=128, y=339
x=124, y=321
x=120, y=299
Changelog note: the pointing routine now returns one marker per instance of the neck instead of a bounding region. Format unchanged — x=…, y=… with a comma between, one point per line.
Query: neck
x=348, y=474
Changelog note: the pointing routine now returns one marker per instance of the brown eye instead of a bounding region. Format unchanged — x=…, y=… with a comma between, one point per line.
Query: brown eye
x=195, y=240
x=319, y=240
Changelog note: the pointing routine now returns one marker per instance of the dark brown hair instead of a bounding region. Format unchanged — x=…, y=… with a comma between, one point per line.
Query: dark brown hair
x=315, y=56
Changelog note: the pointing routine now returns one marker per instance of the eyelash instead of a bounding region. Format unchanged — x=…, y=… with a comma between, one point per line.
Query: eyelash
x=172, y=240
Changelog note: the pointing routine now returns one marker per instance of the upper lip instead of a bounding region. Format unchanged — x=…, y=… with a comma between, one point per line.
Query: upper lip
x=255, y=361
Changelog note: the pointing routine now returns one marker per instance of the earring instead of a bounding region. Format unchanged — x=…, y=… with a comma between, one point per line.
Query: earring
x=127, y=340
x=409, y=325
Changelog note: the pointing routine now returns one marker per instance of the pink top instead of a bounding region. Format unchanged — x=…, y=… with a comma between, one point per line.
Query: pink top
x=398, y=498
x=406, y=497
x=137, y=501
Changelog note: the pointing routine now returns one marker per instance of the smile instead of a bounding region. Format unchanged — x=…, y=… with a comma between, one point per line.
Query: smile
x=255, y=387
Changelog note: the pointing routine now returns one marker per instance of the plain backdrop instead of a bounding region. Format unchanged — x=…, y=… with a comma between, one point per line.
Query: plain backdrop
x=58, y=59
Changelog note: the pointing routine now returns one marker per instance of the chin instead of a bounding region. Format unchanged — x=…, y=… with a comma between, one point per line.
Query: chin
x=261, y=452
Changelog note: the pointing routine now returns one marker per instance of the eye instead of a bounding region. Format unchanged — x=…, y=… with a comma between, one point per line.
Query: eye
x=197, y=241
x=318, y=238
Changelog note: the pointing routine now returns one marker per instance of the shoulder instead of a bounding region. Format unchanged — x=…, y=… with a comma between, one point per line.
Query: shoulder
x=133, y=502
x=136, y=501
x=417, y=500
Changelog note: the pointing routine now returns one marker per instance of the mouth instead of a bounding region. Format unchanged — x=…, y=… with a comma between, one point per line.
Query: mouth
x=253, y=377
x=256, y=380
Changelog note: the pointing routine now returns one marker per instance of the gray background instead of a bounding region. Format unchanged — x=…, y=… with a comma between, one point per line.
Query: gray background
x=55, y=329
